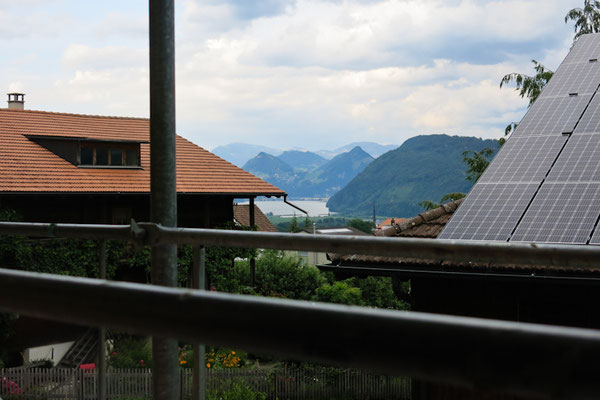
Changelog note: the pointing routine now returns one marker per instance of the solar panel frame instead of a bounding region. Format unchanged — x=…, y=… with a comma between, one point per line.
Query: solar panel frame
x=490, y=212
x=581, y=78
x=585, y=48
x=553, y=115
x=590, y=120
x=544, y=185
x=579, y=161
x=524, y=159
x=595, y=236
x=548, y=220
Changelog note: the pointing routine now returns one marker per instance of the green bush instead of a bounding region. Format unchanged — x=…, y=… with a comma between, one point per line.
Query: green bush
x=131, y=352
x=283, y=275
x=340, y=292
x=241, y=390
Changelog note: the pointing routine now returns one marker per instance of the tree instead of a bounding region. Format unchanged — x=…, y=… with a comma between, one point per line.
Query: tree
x=529, y=86
x=294, y=228
x=362, y=225
x=587, y=19
x=429, y=205
x=477, y=161
x=339, y=292
x=452, y=196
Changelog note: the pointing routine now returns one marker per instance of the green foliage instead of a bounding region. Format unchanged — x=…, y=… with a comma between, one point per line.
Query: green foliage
x=429, y=205
x=240, y=390
x=294, y=228
x=587, y=19
x=510, y=128
x=362, y=225
x=131, y=352
x=307, y=223
x=283, y=275
x=529, y=87
x=339, y=292
x=280, y=274
x=452, y=196
x=477, y=161
x=431, y=166
x=377, y=292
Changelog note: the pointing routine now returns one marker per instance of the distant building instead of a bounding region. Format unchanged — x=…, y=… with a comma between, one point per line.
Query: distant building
x=241, y=215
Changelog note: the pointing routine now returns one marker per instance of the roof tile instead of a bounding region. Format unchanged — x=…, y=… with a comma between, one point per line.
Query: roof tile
x=28, y=167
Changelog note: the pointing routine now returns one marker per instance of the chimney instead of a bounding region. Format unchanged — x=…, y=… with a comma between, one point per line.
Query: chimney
x=16, y=101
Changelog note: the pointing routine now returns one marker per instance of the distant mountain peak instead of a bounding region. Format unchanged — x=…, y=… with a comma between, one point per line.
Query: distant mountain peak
x=424, y=168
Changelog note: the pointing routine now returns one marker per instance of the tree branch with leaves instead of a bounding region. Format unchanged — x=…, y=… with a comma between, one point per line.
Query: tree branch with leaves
x=587, y=19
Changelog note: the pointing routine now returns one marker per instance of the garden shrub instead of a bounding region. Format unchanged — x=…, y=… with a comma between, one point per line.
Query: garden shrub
x=131, y=352
x=340, y=292
x=241, y=390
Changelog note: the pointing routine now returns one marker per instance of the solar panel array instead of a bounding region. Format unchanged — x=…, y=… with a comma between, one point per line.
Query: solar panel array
x=544, y=184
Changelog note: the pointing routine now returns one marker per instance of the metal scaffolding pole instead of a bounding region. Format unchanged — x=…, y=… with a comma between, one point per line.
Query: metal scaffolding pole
x=163, y=188
x=199, y=384
x=101, y=370
x=551, y=361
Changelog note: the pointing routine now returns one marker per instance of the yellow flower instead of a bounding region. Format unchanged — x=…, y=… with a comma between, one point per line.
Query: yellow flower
x=207, y=365
x=233, y=352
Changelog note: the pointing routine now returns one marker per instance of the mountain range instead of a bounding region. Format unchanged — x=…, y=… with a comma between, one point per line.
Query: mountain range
x=240, y=153
x=423, y=168
x=306, y=174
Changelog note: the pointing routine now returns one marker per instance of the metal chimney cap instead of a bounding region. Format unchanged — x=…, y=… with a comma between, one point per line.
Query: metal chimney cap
x=16, y=101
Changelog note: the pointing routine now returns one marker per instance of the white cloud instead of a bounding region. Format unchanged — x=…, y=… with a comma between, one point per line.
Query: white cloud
x=121, y=25
x=309, y=73
x=79, y=55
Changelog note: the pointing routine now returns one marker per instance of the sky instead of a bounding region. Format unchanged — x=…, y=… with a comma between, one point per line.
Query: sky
x=310, y=74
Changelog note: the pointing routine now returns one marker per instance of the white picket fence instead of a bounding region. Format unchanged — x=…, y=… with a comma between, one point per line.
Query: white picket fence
x=136, y=384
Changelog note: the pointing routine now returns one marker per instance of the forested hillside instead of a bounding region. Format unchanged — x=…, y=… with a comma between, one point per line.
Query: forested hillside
x=423, y=168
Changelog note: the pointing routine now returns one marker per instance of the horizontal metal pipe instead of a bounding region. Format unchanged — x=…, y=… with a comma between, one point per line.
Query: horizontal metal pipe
x=77, y=231
x=434, y=250
x=520, y=358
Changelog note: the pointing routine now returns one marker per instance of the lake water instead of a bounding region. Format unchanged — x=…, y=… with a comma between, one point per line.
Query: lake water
x=314, y=208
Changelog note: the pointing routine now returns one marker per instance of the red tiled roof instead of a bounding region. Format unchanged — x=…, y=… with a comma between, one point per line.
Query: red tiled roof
x=241, y=213
x=28, y=167
x=428, y=224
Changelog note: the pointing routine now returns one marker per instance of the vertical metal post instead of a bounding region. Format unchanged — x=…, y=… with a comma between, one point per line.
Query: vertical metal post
x=101, y=368
x=252, y=260
x=199, y=282
x=163, y=196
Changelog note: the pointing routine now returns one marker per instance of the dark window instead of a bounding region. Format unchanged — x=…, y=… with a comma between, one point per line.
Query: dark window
x=116, y=157
x=109, y=154
x=87, y=156
x=101, y=156
x=132, y=158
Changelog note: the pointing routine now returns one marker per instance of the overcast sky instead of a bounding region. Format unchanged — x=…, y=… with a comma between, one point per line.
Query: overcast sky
x=311, y=74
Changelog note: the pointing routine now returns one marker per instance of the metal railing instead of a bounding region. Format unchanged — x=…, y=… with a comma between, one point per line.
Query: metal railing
x=514, y=357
